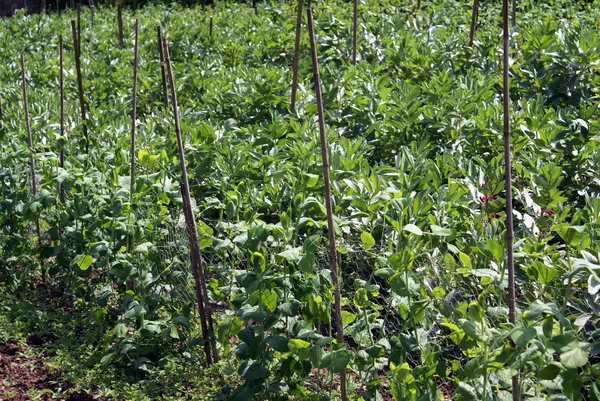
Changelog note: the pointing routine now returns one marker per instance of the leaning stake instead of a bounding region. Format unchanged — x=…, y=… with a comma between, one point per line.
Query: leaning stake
x=508, y=184
x=62, y=116
x=296, y=55
x=354, y=31
x=474, y=16
x=80, y=85
x=133, y=111
x=330, y=227
x=163, y=75
x=30, y=145
x=195, y=255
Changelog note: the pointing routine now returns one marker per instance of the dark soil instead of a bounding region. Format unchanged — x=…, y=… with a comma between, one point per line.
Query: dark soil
x=20, y=373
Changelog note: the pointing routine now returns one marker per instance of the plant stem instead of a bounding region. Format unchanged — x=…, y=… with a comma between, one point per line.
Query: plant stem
x=333, y=264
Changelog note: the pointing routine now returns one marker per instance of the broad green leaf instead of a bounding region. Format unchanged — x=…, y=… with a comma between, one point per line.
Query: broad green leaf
x=411, y=228
x=367, y=240
x=574, y=358
x=84, y=261
x=440, y=231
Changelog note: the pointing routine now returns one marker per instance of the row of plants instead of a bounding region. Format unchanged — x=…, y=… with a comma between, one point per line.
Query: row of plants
x=417, y=176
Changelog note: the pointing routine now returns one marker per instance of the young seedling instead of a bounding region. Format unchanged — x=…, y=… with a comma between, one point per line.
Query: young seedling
x=296, y=54
x=163, y=75
x=30, y=145
x=80, y=85
x=508, y=183
x=195, y=255
x=474, y=17
x=333, y=264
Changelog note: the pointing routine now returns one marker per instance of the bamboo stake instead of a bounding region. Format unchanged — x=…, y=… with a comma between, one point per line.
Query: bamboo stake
x=474, y=17
x=162, y=67
x=0, y=107
x=333, y=264
x=195, y=255
x=354, y=31
x=508, y=184
x=120, y=23
x=62, y=116
x=211, y=26
x=30, y=145
x=296, y=54
x=133, y=110
x=80, y=85
x=255, y=7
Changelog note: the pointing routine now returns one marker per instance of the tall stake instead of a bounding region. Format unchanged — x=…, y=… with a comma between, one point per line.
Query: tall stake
x=133, y=110
x=30, y=145
x=474, y=17
x=508, y=184
x=195, y=255
x=163, y=75
x=333, y=264
x=120, y=23
x=211, y=26
x=296, y=54
x=62, y=115
x=0, y=107
x=80, y=85
x=354, y=31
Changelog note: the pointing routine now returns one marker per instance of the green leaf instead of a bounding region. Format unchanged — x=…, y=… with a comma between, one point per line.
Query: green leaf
x=340, y=360
x=296, y=344
x=348, y=317
x=550, y=371
x=278, y=343
x=411, y=228
x=367, y=240
x=574, y=358
x=307, y=263
x=440, y=231
x=269, y=299
x=144, y=248
x=523, y=335
x=84, y=261
x=465, y=260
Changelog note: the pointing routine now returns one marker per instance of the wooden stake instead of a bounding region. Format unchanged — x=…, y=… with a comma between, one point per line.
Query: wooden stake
x=255, y=7
x=211, y=26
x=195, y=255
x=333, y=263
x=80, y=85
x=508, y=183
x=62, y=115
x=296, y=54
x=0, y=107
x=120, y=23
x=133, y=109
x=474, y=17
x=354, y=32
x=163, y=75
x=30, y=145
